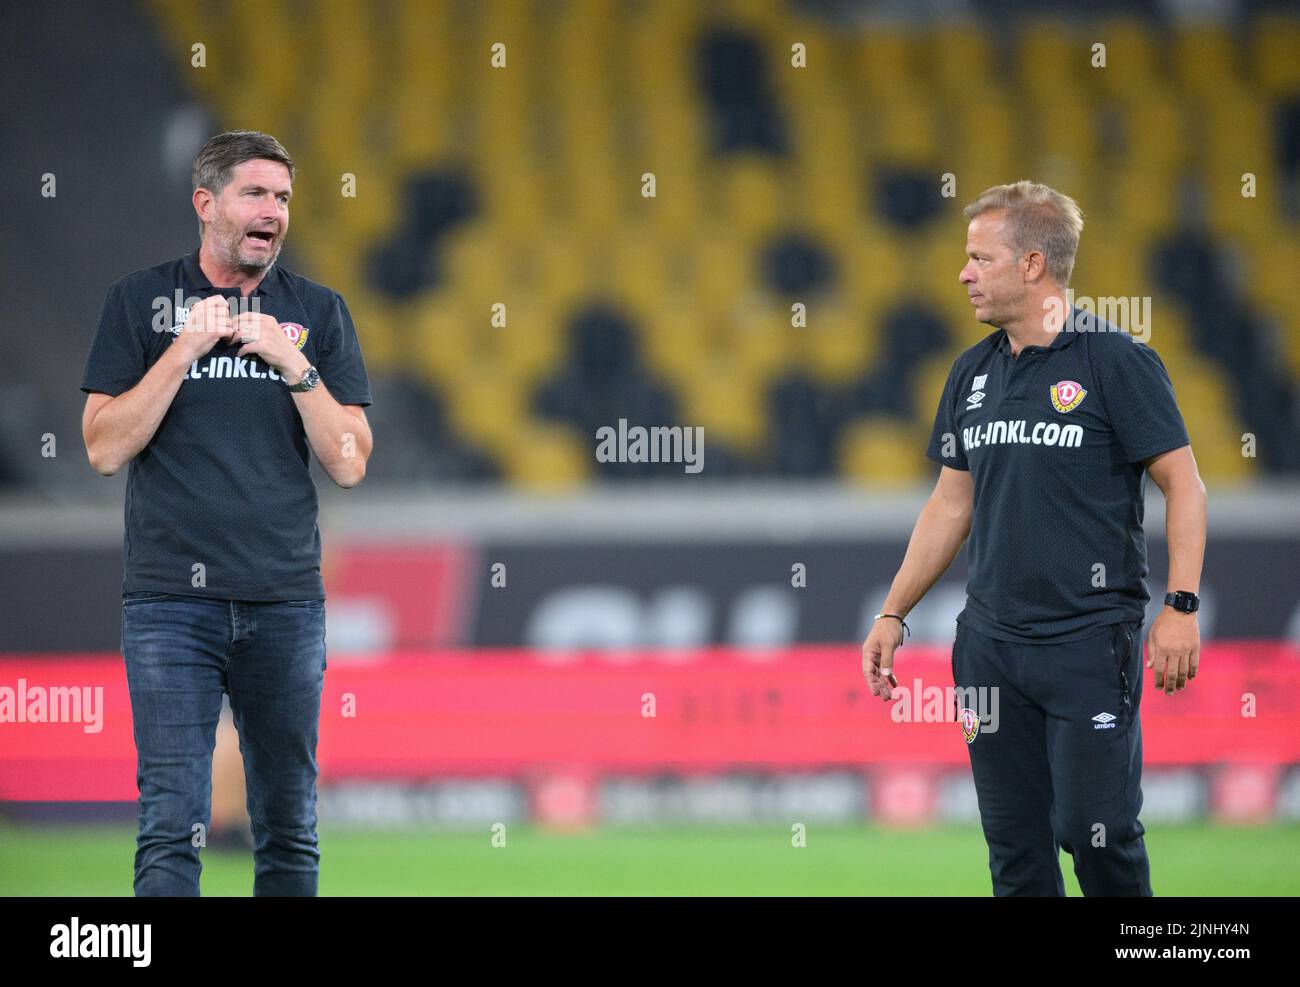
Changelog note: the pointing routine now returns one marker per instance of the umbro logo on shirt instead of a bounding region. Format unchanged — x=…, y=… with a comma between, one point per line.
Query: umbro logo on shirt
x=182, y=314
x=976, y=397
x=1104, y=721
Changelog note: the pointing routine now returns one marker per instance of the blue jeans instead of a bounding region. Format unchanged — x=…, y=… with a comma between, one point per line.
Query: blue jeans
x=182, y=653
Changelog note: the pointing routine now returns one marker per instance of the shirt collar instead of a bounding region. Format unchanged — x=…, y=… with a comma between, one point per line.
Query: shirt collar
x=194, y=275
x=1074, y=325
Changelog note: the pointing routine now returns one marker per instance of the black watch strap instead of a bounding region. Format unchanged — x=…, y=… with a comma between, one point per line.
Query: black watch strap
x=1183, y=602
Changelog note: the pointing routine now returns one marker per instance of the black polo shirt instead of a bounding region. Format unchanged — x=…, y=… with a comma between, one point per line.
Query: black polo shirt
x=224, y=483
x=1054, y=441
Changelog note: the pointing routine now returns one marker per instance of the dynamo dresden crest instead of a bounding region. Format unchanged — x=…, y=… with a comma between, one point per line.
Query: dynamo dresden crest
x=298, y=334
x=970, y=724
x=1067, y=395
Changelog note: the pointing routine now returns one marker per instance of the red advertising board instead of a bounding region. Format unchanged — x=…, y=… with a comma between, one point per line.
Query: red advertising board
x=425, y=715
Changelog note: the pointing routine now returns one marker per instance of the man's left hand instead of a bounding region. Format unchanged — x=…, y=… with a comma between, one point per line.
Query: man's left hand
x=1174, y=649
x=262, y=336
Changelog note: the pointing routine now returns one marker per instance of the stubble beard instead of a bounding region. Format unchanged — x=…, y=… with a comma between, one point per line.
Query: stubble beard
x=228, y=239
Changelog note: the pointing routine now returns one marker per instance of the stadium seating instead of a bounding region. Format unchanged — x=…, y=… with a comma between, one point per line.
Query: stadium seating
x=521, y=190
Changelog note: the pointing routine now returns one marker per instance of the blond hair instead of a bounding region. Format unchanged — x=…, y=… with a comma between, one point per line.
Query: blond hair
x=1038, y=218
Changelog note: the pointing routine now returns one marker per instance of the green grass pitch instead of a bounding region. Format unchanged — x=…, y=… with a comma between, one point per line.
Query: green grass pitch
x=861, y=860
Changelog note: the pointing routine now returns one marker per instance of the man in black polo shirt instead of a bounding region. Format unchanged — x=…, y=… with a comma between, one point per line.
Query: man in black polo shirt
x=213, y=376
x=1044, y=433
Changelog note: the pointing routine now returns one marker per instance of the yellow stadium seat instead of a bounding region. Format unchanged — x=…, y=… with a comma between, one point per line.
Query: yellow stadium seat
x=752, y=337
x=958, y=60
x=907, y=131
x=831, y=201
x=377, y=325
x=985, y=133
x=489, y=406
x=1142, y=203
x=673, y=341
x=642, y=264
x=1275, y=53
x=1213, y=427
x=727, y=404
x=753, y=190
x=837, y=344
x=883, y=452
x=1273, y=250
x=1132, y=64
x=441, y=341
x=760, y=337
x=1068, y=128
x=1236, y=130
x=872, y=266
x=929, y=378
x=1230, y=213
x=884, y=65
x=531, y=343
x=1051, y=60
x=547, y=458
x=1156, y=123
x=1204, y=59
x=1169, y=335
x=722, y=267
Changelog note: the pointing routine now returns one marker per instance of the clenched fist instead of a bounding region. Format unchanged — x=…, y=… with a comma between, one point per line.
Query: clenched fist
x=263, y=337
x=208, y=323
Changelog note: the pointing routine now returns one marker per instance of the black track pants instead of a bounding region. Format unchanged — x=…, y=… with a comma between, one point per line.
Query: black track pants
x=1057, y=759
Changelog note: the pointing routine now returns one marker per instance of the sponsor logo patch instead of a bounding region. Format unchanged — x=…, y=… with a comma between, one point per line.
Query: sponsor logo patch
x=1067, y=395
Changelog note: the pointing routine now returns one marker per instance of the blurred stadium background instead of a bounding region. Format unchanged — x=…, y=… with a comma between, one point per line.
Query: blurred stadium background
x=503, y=609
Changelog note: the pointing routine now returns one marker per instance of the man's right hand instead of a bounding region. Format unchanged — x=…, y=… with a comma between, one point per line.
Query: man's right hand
x=209, y=322
x=878, y=656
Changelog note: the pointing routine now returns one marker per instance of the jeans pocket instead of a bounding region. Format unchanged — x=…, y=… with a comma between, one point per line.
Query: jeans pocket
x=145, y=596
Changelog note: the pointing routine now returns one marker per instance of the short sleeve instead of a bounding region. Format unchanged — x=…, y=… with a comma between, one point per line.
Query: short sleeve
x=1140, y=405
x=945, y=444
x=118, y=357
x=339, y=360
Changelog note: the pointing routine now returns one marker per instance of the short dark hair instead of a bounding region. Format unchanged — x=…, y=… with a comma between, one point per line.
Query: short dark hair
x=215, y=165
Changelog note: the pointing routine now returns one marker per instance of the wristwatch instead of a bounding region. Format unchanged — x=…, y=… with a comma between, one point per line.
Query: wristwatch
x=1183, y=602
x=310, y=378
